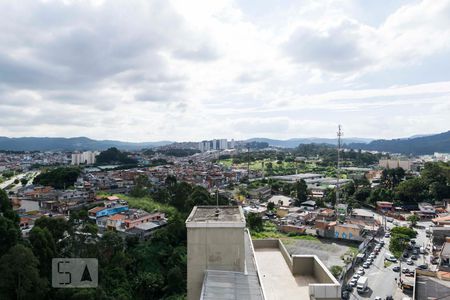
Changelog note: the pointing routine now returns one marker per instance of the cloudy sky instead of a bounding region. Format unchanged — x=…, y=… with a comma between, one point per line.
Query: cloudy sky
x=191, y=70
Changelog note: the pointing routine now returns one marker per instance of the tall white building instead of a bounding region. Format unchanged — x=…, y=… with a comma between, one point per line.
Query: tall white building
x=217, y=144
x=86, y=158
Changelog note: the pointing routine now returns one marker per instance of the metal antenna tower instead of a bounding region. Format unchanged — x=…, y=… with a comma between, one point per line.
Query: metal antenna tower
x=338, y=171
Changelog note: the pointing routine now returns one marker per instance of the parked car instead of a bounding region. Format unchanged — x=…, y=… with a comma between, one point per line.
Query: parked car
x=377, y=298
x=366, y=265
x=423, y=266
x=396, y=269
x=409, y=262
x=360, y=272
x=355, y=276
x=413, y=242
x=405, y=270
x=405, y=255
x=387, y=235
x=414, y=257
x=345, y=295
x=353, y=282
x=361, y=269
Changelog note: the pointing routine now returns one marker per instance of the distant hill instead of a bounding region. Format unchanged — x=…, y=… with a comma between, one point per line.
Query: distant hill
x=70, y=144
x=427, y=144
x=292, y=143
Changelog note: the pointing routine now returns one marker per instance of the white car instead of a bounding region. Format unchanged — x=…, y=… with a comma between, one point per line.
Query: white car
x=355, y=276
x=353, y=282
x=361, y=269
x=360, y=272
x=409, y=262
x=366, y=265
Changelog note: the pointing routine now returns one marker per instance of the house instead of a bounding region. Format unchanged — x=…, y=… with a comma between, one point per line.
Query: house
x=292, y=228
x=325, y=228
x=280, y=200
x=261, y=193
x=445, y=257
x=441, y=221
x=384, y=206
x=362, y=214
x=426, y=210
x=109, y=210
x=327, y=214
x=348, y=232
x=308, y=205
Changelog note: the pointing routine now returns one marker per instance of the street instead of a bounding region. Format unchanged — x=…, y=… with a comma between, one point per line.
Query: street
x=381, y=280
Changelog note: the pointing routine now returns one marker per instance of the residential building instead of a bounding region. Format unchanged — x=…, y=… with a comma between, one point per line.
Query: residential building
x=224, y=263
x=84, y=158
x=109, y=210
x=395, y=163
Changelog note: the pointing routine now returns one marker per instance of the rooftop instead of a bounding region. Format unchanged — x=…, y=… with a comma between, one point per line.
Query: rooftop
x=216, y=214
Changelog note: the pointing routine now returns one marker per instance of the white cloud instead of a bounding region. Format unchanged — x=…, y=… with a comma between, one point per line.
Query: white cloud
x=188, y=70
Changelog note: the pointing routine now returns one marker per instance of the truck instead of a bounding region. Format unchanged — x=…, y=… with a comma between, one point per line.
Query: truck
x=361, y=285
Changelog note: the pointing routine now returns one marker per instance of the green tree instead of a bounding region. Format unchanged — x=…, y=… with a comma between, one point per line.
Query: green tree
x=302, y=192
x=44, y=249
x=23, y=181
x=19, y=275
x=270, y=206
x=254, y=222
x=9, y=234
x=56, y=226
x=399, y=239
x=412, y=191
x=149, y=285
x=336, y=271
x=362, y=194
x=413, y=219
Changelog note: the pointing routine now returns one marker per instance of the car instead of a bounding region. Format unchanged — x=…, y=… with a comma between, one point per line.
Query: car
x=405, y=255
x=414, y=257
x=371, y=256
x=353, y=282
x=382, y=243
x=361, y=269
x=410, y=274
x=345, y=295
x=389, y=297
x=409, y=247
x=366, y=265
x=415, y=252
x=387, y=235
x=360, y=272
x=355, y=277
x=423, y=266
x=413, y=242
x=409, y=262
x=377, y=298
x=347, y=287
x=396, y=269
x=406, y=270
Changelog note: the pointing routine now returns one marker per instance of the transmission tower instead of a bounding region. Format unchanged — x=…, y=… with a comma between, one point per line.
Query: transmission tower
x=339, y=134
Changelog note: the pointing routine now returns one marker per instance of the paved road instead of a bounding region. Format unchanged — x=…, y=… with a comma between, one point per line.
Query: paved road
x=31, y=174
x=381, y=280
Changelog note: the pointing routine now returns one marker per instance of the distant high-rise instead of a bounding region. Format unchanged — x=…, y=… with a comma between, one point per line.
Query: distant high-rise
x=217, y=144
x=84, y=158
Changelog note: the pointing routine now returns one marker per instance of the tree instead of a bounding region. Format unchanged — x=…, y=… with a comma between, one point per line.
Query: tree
x=254, y=222
x=270, y=206
x=114, y=156
x=16, y=181
x=149, y=285
x=362, y=194
x=336, y=271
x=412, y=191
x=23, y=181
x=59, y=178
x=56, y=226
x=19, y=275
x=399, y=239
x=9, y=234
x=44, y=249
x=413, y=219
x=302, y=192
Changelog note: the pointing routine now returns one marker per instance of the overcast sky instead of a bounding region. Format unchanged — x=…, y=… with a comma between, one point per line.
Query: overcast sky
x=191, y=70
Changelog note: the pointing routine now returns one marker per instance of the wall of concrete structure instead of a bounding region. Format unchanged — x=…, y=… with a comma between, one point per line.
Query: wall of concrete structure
x=213, y=249
x=303, y=265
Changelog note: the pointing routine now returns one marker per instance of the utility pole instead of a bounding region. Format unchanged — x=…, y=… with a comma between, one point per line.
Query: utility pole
x=248, y=163
x=338, y=171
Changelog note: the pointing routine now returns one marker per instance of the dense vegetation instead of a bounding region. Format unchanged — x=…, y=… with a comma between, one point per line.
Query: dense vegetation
x=59, y=178
x=416, y=146
x=113, y=156
x=178, y=152
x=432, y=185
x=400, y=236
x=128, y=269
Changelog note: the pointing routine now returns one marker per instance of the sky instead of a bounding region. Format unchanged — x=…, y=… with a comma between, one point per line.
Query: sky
x=191, y=70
